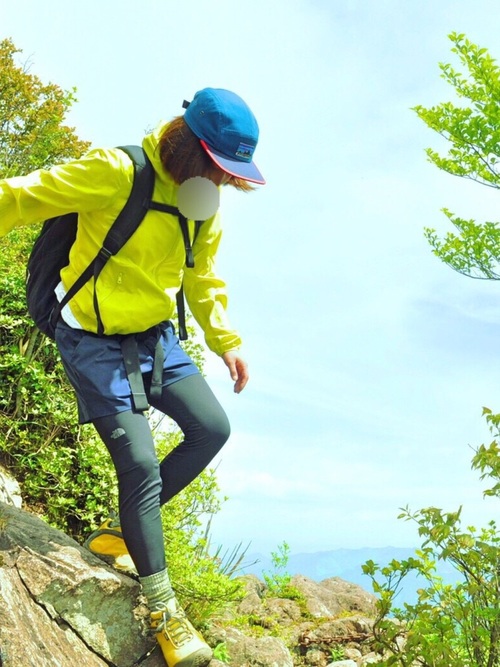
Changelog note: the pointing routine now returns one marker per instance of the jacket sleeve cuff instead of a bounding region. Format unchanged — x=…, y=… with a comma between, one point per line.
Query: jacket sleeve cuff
x=229, y=343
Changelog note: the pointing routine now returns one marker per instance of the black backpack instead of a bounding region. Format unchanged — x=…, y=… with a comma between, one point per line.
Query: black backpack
x=51, y=249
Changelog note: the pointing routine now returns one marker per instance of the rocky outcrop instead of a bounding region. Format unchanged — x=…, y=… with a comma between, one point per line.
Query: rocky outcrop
x=329, y=618
x=62, y=607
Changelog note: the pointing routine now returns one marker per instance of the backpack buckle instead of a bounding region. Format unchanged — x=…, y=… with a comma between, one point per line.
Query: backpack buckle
x=105, y=254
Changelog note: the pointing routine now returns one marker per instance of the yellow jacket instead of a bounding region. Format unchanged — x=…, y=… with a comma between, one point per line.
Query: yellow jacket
x=138, y=286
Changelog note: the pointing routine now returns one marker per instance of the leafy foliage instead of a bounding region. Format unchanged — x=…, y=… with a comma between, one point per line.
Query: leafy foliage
x=473, y=130
x=449, y=624
x=32, y=133
x=221, y=653
x=61, y=466
x=454, y=624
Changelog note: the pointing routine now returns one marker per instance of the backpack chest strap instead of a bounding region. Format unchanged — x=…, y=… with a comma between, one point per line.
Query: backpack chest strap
x=173, y=210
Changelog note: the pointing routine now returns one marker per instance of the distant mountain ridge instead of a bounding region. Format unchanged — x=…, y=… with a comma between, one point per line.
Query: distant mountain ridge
x=347, y=564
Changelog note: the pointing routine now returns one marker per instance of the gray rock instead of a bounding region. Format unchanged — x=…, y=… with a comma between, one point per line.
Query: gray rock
x=257, y=652
x=10, y=491
x=61, y=605
x=333, y=596
x=370, y=659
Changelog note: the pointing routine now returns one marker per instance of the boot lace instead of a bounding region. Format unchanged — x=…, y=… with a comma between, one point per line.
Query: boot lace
x=176, y=628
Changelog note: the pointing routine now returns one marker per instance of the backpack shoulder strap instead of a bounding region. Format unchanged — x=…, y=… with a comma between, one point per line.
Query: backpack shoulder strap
x=132, y=214
x=181, y=305
x=126, y=223
x=129, y=218
x=183, y=223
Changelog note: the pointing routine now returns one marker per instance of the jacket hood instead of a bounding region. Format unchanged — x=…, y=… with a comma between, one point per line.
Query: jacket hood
x=150, y=143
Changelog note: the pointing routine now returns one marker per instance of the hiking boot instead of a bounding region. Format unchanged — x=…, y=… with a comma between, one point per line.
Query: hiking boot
x=107, y=543
x=181, y=644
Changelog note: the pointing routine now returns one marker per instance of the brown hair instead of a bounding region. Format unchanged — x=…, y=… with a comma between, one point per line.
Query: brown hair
x=183, y=156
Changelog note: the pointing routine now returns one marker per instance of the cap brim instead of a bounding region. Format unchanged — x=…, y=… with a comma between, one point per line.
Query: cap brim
x=244, y=170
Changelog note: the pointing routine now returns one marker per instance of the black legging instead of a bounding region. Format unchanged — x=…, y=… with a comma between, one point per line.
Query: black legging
x=144, y=484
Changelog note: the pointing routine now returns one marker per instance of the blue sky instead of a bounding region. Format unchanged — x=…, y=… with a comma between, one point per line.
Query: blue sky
x=370, y=360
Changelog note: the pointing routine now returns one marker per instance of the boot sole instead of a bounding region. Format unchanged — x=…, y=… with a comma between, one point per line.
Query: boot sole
x=199, y=659
x=111, y=560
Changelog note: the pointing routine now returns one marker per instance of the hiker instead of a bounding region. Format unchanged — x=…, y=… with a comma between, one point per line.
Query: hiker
x=135, y=293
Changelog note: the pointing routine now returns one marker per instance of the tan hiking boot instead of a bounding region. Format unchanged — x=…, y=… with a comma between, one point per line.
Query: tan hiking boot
x=181, y=644
x=108, y=544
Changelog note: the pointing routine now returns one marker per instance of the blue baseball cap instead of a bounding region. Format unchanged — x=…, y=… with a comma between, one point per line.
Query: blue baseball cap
x=227, y=130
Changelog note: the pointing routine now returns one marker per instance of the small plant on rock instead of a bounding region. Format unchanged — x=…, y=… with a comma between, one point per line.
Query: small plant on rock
x=279, y=582
x=337, y=652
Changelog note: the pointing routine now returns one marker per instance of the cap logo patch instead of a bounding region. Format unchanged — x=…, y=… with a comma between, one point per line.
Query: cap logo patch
x=245, y=151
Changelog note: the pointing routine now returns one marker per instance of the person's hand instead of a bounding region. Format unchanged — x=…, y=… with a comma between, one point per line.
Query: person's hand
x=238, y=370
